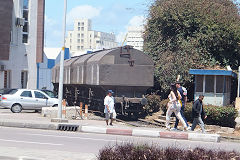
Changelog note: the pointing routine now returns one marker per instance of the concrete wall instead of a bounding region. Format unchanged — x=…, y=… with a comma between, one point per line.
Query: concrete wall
x=22, y=56
x=6, y=7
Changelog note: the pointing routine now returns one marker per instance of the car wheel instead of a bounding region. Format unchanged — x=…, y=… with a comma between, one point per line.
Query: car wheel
x=55, y=105
x=16, y=108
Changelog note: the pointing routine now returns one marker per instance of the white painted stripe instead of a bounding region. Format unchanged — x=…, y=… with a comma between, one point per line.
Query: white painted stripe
x=93, y=129
x=68, y=137
x=30, y=142
x=204, y=137
x=145, y=133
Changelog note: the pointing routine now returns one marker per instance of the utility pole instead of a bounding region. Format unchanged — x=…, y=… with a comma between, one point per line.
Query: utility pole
x=60, y=88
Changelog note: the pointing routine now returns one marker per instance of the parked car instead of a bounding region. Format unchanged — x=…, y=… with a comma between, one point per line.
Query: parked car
x=27, y=99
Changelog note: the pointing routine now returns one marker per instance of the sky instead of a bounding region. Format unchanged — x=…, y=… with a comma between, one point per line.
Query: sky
x=106, y=15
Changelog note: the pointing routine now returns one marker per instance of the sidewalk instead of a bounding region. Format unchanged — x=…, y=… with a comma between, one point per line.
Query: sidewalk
x=29, y=119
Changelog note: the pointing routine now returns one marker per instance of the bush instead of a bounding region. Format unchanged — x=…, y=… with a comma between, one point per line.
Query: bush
x=222, y=116
x=163, y=105
x=143, y=152
x=153, y=104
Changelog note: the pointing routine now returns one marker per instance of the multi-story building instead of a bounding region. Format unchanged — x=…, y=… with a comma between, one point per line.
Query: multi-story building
x=21, y=42
x=83, y=38
x=135, y=37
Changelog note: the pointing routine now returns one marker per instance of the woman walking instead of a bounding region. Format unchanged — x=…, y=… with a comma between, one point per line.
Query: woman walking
x=174, y=105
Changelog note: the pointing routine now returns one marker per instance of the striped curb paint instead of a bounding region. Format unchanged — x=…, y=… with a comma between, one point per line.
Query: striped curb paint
x=174, y=135
x=92, y=129
x=126, y=132
x=204, y=137
x=117, y=131
x=145, y=133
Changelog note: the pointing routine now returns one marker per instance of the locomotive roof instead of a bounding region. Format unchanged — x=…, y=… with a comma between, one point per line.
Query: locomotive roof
x=95, y=57
x=98, y=56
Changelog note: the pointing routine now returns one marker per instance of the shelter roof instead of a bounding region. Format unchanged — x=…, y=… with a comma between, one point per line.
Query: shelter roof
x=212, y=72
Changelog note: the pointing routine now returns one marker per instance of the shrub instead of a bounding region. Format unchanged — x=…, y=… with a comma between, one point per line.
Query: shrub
x=163, y=105
x=142, y=152
x=153, y=104
x=222, y=116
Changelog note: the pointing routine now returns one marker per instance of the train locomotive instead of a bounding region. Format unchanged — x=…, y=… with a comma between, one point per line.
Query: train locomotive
x=125, y=70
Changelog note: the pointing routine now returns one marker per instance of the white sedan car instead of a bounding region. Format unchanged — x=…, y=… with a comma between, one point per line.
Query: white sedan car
x=24, y=99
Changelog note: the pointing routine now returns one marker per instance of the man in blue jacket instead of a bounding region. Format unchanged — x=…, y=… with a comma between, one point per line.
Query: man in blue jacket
x=198, y=113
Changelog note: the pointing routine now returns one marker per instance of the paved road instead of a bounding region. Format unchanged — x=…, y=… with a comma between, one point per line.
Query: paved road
x=43, y=144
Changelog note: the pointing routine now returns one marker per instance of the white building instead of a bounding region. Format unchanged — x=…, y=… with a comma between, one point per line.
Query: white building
x=135, y=37
x=23, y=22
x=83, y=38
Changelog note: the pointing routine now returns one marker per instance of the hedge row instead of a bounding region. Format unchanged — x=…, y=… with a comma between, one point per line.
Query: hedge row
x=222, y=116
x=143, y=152
x=153, y=104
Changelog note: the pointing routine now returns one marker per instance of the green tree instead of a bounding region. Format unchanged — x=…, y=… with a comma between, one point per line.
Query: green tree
x=184, y=34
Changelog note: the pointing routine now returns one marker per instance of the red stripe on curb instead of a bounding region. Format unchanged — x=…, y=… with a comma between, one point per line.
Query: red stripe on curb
x=174, y=135
x=119, y=131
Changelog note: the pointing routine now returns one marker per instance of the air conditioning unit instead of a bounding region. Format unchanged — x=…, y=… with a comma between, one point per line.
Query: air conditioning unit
x=2, y=67
x=20, y=22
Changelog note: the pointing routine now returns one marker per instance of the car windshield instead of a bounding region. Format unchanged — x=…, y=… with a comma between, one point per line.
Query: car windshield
x=49, y=93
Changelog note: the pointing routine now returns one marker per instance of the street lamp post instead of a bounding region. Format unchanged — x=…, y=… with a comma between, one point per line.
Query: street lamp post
x=60, y=88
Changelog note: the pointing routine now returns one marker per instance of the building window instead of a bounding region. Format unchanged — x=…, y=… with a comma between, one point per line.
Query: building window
x=78, y=40
x=78, y=47
x=82, y=40
x=199, y=83
x=25, y=38
x=82, y=28
x=70, y=40
x=219, y=84
x=81, y=47
x=209, y=84
x=82, y=35
x=24, y=79
x=78, y=35
x=7, y=79
x=25, y=16
x=71, y=35
x=82, y=23
x=78, y=23
x=79, y=28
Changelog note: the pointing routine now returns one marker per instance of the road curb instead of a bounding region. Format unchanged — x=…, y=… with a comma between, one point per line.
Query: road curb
x=119, y=131
x=204, y=137
x=152, y=133
x=29, y=125
x=174, y=135
x=145, y=133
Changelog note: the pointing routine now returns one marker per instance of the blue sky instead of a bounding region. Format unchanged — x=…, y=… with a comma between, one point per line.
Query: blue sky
x=106, y=15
